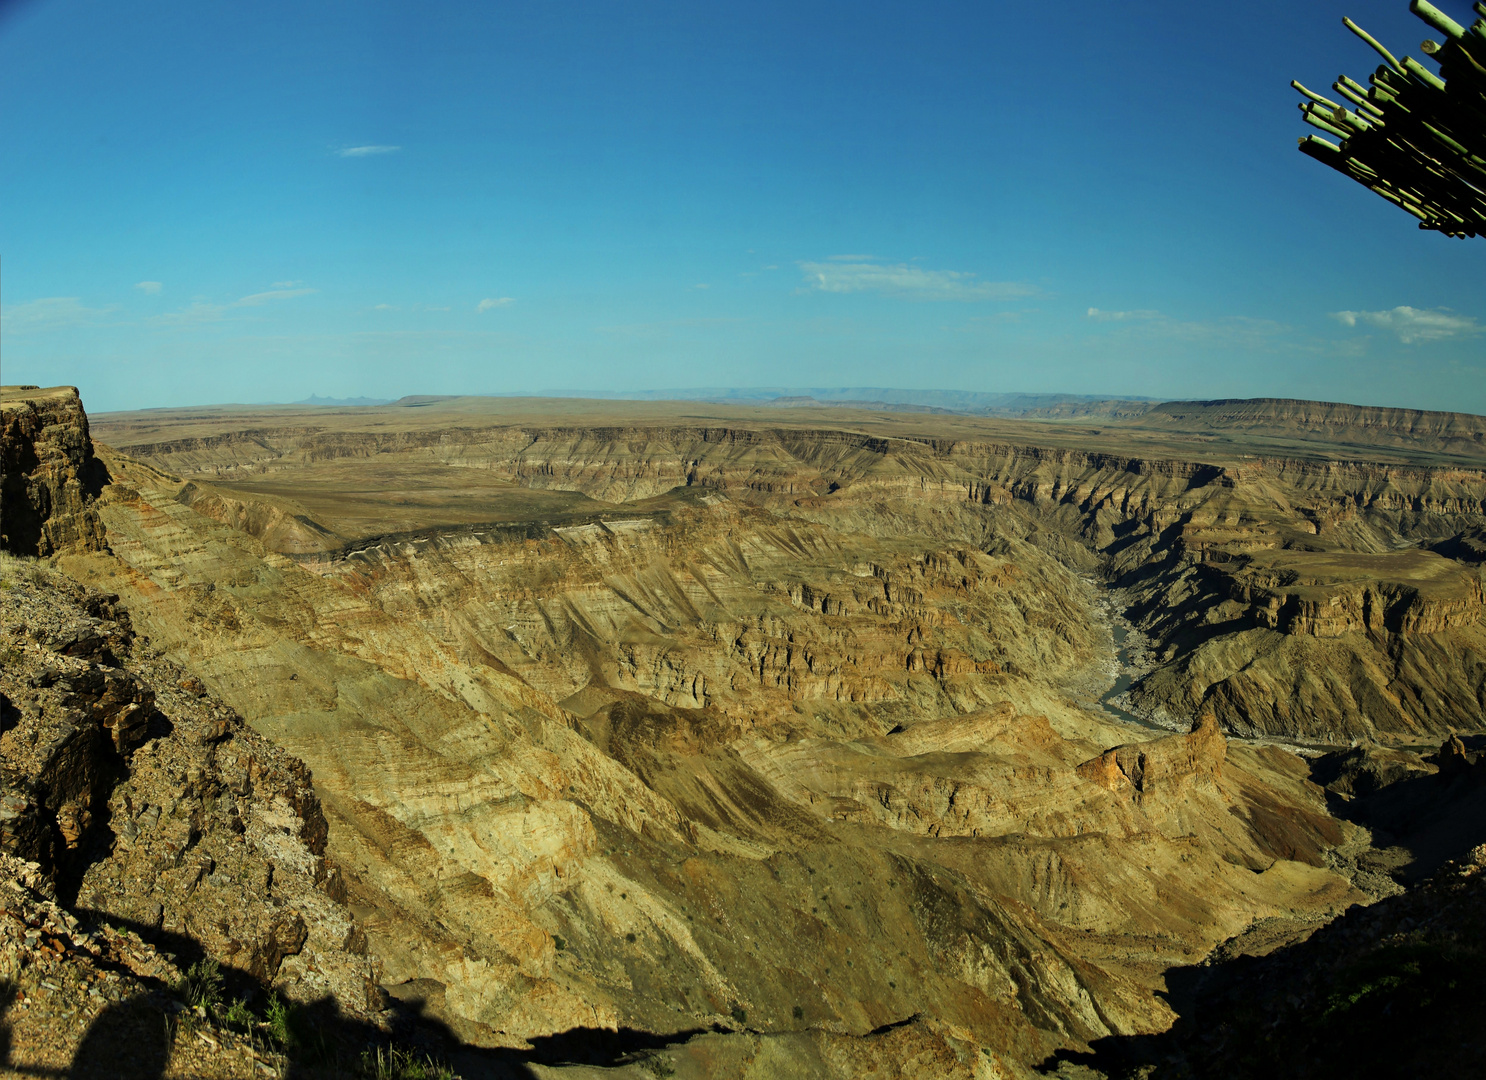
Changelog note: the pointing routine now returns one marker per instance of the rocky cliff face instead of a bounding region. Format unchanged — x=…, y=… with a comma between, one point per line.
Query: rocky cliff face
x=1441, y=432
x=138, y=814
x=50, y=473
x=1394, y=989
x=145, y=800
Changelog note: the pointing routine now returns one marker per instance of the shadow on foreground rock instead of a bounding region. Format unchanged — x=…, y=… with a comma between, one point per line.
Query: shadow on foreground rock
x=135, y=1040
x=127, y=1041
x=329, y=1043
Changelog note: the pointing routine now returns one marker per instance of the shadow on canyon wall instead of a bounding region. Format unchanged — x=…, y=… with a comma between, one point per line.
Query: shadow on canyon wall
x=1394, y=989
x=1376, y=994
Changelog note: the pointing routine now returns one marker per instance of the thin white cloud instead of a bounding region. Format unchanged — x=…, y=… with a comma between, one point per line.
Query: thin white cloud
x=383, y=307
x=287, y=284
x=909, y=282
x=1414, y=325
x=1235, y=330
x=151, y=287
x=1099, y=315
x=851, y=258
x=198, y=312
x=203, y=312
x=494, y=302
x=367, y=151
x=50, y=313
x=260, y=298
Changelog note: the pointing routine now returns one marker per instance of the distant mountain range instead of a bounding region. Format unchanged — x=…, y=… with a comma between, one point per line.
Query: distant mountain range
x=341, y=402
x=965, y=402
x=1278, y=417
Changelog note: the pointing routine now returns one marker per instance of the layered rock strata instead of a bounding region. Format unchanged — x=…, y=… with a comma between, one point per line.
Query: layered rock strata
x=50, y=475
x=1302, y=598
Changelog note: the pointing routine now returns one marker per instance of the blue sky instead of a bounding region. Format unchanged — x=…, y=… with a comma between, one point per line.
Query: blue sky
x=211, y=202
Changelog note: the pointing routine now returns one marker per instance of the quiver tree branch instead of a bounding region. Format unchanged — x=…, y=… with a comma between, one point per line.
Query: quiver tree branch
x=1416, y=138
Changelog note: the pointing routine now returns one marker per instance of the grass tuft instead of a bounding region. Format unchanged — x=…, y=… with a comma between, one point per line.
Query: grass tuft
x=200, y=986
x=397, y=1063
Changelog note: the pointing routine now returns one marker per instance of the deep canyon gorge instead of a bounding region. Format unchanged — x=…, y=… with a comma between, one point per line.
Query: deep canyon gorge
x=675, y=739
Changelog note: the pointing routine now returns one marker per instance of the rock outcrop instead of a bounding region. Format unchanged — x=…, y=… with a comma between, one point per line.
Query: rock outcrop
x=1162, y=768
x=50, y=473
x=90, y=1001
x=138, y=801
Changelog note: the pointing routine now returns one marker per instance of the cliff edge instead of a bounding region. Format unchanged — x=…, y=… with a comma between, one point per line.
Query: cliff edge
x=50, y=474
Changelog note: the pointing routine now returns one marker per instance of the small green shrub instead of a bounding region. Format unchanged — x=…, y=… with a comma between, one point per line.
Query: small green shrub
x=798, y=1012
x=201, y=985
x=238, y=1015
x=276, y=1020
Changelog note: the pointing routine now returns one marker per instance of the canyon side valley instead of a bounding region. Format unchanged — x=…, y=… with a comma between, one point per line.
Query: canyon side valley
x=577, y=739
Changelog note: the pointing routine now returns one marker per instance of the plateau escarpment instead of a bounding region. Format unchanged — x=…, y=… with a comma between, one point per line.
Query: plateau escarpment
x=1301, y=598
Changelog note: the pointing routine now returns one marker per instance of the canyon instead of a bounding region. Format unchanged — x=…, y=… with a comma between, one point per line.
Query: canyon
x=738, y=741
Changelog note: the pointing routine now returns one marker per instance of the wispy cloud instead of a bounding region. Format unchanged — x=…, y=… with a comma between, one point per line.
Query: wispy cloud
x=1233, y=331
x=367, y=151
x=383, y=307
x=494, y=302
x=287, y=284
x=260, y=298
x=198, y=312
x=203, y=312
x=702, y=285
x=151, y=287
x=1099, y=315
x=50, y=313
x=1413, y=325
x=851, y=273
